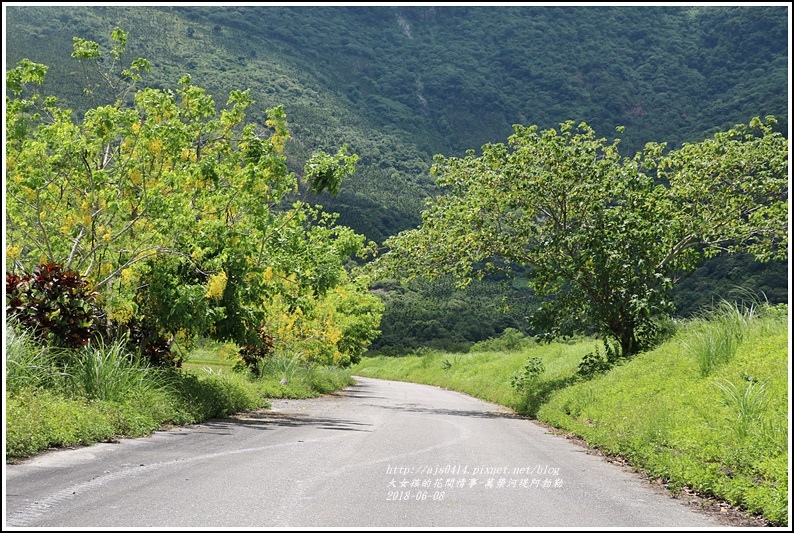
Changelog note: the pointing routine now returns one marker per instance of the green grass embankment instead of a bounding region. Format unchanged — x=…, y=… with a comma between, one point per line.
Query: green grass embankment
x=708, y=409
x=59, y=397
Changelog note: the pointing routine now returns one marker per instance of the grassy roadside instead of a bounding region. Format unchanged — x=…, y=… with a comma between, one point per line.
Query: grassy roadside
x=57, y=398
x=707, y=410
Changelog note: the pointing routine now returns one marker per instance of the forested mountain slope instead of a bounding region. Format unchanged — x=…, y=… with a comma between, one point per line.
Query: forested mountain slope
x=399, y=84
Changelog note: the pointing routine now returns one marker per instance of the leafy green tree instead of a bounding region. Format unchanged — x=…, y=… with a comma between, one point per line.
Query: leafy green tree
x=603, y=238
x=178, y=215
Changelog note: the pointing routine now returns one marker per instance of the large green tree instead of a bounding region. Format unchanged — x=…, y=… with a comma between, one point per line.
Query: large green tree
x=602, y=237
x=179, y=215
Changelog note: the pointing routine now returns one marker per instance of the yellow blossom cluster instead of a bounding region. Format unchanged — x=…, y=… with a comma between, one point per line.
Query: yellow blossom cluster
x=216, y=285
x=121, y=311
x=12, y=252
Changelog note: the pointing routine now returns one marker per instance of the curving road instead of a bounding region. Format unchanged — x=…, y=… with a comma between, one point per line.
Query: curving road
x=379, y=454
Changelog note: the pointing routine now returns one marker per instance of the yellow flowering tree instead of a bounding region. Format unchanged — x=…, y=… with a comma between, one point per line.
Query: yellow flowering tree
x=334, y=327
x=171, y=209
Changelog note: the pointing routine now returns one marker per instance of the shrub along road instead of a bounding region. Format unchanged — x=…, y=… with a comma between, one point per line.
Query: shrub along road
x=379, y=454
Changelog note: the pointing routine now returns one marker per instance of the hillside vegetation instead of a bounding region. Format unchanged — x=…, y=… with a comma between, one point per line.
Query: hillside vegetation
x=399, y=84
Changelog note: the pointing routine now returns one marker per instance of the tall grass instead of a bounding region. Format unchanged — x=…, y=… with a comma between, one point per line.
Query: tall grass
x=27, y=364
x=107, y=372
x=282, y=366
x=64, y=397
x=718, y=334
x=288, y=375
x=746, y=401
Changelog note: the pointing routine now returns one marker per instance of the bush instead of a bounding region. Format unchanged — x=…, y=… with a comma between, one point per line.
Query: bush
x=593, y=363
x=523, y=379
x=146, y=339
x=510, y=339
x=257, y=354
x=53, y=303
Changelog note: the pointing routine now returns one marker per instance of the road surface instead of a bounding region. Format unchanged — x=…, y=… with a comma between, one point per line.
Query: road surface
x=379, y=454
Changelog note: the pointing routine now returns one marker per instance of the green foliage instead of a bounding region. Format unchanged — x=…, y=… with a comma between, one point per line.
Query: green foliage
x=525, y=378
x=603, y=241
x=324, y=172
x=462, y=78
x=66, y=396
x=442, y=315
x=510, y=339
x=182, y=217
x=595, y=363
x=26, y=71
x=359, y=315
x=54, y=304
x=742, y=170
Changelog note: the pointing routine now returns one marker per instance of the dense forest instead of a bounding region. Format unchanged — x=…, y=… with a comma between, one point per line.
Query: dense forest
x=400, y=84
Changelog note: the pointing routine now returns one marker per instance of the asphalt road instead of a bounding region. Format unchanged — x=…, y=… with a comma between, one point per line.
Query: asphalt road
x=379, y=454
